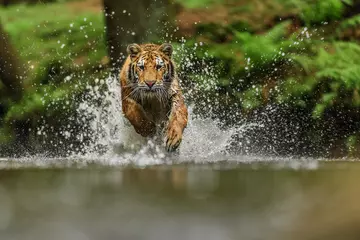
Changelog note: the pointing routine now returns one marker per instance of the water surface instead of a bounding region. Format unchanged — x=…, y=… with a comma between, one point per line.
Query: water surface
x=248, y=201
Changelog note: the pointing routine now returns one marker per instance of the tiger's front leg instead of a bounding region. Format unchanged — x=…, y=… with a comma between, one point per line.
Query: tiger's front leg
x=135, y=114
x=177, y=123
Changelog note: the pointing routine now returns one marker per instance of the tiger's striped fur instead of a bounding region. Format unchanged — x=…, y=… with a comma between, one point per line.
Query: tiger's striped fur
x=152, y=99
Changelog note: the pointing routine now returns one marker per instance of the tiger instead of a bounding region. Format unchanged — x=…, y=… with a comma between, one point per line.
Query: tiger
x=151, y=96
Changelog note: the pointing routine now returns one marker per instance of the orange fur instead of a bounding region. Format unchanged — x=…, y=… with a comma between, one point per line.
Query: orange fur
x=152, y=99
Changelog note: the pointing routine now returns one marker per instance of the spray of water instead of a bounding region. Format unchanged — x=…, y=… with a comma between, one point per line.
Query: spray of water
x=114, y=140
x=106, y=137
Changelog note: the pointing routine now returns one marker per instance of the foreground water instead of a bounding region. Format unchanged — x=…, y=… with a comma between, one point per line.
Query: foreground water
x=285, y=199
x=117, y=185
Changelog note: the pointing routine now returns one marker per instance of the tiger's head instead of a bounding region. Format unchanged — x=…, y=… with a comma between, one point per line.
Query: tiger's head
x=151, y=70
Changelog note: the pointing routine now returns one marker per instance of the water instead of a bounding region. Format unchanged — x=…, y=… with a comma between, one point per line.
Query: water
x=121, y=186
x=197, y=201
x=118, y=185
x=107, y=136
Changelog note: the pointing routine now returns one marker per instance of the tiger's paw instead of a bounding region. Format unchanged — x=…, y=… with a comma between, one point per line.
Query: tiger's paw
x=173, y=138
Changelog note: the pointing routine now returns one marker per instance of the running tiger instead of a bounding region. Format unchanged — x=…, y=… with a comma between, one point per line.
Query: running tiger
x=151, y=96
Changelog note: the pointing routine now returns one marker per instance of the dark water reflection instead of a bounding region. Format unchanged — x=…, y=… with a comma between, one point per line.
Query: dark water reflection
x=181, y=202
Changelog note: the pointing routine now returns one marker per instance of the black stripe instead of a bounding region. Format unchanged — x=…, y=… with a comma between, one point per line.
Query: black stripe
x=167, y=73
x=171, y=70
x=130, y=73
x=133, y=73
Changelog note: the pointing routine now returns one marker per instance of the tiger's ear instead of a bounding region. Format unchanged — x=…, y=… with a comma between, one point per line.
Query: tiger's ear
x=167, y=49
x=133, y=50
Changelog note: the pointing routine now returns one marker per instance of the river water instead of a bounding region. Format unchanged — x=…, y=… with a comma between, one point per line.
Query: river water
x=285, y=199
x=131, y=191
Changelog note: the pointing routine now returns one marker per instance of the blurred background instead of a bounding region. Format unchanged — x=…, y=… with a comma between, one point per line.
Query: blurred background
x=283, y=73
x=290, y=66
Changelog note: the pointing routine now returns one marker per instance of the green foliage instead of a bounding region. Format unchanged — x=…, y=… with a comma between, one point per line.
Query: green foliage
x=331, y=77
x=251, y=57
x=198, y=3
x=319, y=73
x=350, y=22
x=324, y=77
x=45, y=35
x=248, y=51
x=320, y=11
x=45, y=100
x=61, y=50
x=347, y=26
x=262, y=49
x=306, y=69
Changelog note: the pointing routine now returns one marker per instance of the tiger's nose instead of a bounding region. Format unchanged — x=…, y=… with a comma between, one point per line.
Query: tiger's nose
x=150, y=83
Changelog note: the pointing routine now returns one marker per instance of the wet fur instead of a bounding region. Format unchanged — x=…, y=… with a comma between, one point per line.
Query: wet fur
x=161, y=110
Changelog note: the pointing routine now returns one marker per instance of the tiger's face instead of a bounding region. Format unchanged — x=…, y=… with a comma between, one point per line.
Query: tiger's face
x=151, y=70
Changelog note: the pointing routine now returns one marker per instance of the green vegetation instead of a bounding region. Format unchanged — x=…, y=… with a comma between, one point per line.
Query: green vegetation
x=311, y=68
x=297, y=55
x=50, y=35
x=62, y=52
x=198, y=3
x=318, y=12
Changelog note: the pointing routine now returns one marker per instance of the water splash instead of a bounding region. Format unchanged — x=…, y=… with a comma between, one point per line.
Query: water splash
x=114, y=140
x=103, y=135
x=91, y=126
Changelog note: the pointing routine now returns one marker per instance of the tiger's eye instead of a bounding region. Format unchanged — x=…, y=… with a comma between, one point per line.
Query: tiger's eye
x=158, y=67
x=141, y=67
